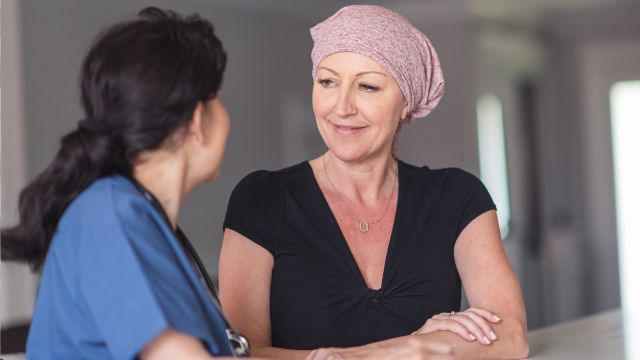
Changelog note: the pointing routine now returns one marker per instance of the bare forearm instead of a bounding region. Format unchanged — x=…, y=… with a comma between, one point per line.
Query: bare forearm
x=278, y=353
x=406, y=347
x=511, y=344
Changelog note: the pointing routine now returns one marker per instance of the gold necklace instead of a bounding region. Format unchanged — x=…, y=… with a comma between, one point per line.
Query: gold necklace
x=363, y=225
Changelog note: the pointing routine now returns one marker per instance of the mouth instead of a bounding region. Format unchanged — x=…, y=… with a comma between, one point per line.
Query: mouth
x=348, y=130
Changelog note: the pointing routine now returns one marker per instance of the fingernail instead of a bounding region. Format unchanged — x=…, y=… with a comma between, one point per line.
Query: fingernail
x=486, y=340
x=472, y=337
x=497, y=318
x=493, y=336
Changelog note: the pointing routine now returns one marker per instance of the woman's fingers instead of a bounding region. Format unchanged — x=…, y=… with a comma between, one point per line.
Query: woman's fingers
x=474, y=330
x=481, y=322
x=438, y=323
x=473, y=324
x=489, y=316
x=472, y=327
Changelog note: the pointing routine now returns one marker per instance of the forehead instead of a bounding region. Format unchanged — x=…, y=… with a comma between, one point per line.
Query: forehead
x=350, y=63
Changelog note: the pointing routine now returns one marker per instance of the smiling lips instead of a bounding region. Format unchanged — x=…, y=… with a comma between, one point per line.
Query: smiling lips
x=346, y=130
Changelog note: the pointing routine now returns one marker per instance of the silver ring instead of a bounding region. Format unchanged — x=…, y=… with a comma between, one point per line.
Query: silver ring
x=452, y=314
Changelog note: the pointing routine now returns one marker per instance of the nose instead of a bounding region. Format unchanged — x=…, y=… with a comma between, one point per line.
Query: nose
x=345, y=106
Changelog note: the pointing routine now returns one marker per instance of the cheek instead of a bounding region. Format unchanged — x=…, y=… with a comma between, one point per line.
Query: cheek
x=321, y=102
x=379, y=112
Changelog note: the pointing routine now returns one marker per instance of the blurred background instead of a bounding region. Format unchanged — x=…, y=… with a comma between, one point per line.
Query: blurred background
x=537, y=93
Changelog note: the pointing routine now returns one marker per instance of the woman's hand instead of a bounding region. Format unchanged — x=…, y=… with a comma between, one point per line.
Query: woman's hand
x=473, y=324
x=399, y=348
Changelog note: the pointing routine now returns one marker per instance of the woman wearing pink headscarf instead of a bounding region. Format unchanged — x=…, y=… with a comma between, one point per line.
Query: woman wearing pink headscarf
x=356, y=247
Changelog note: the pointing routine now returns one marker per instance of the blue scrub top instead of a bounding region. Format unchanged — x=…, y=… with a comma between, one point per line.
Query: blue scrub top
x=115, y=277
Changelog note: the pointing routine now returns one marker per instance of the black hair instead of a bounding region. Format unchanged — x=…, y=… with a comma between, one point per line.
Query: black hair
x=140, y=82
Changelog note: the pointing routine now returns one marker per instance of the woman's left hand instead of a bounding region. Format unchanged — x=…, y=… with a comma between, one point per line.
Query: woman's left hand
x=473, y=324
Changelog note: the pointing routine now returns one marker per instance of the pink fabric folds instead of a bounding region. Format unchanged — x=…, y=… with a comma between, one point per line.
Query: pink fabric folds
x=390, y=40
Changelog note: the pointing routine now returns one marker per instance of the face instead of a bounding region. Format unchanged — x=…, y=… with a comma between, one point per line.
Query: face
x=358, y=106
x=215, y=131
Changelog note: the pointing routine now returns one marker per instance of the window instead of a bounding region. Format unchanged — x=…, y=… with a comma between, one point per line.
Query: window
x=493, y=156
x=624, y=98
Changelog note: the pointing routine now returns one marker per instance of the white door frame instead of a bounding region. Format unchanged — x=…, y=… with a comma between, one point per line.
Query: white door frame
x=603, y=65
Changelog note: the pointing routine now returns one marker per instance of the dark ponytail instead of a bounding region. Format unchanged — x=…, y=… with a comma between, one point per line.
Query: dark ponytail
x=140, y=83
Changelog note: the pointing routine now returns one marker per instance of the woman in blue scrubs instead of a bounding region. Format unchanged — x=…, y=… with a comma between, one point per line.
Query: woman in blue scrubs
x=119, y=279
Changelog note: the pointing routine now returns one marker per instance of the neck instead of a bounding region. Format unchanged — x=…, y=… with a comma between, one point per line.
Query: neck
x=164, y=175
x=363, y=182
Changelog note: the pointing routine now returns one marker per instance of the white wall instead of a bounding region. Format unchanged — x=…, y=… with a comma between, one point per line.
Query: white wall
x=17, y=284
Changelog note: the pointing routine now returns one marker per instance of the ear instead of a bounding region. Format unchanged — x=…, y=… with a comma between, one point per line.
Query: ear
x=405, y=111
x=195, y=126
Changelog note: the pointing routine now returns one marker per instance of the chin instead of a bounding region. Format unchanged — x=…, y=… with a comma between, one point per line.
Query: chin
x=346, y=154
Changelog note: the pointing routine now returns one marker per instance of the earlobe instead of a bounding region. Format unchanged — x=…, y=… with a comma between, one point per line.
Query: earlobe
x=405, y=111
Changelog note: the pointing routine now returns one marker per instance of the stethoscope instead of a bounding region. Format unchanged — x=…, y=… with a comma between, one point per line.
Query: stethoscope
x=239, y=343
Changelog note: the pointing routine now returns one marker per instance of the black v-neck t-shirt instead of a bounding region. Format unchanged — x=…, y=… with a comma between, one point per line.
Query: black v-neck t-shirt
x=319, y=297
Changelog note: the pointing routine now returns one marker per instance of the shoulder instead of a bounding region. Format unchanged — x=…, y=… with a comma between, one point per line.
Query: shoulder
x=108, y=219
x=268, y=182
x=258, y=203
x=452, y=178
x=261, y=196
x=459, y=195
x=451, y=188
x=105, y=207
x=457, y=178
x=108, y=196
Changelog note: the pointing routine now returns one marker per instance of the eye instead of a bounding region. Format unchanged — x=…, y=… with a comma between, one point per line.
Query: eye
x=325, y=82
x=368, y=87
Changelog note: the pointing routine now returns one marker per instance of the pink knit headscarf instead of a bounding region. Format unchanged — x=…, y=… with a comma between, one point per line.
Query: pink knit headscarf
x=390, y=40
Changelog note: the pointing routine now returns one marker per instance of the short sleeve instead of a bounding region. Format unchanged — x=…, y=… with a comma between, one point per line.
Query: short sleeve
x=464, y=197
x=131, y=282
x=255, y=208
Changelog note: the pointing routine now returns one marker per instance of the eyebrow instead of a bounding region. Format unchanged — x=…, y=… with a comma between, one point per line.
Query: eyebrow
x=371, y=72
x=358, y=74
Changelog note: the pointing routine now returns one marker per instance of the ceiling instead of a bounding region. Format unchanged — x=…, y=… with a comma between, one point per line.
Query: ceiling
x=523, y=12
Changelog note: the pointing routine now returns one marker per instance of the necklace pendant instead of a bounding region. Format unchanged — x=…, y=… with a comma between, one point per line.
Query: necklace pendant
x=364, y=226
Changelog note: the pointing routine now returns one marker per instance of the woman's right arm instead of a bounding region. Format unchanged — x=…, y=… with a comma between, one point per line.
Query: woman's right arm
x=245, y=293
